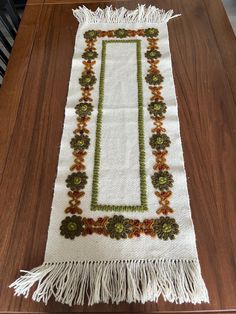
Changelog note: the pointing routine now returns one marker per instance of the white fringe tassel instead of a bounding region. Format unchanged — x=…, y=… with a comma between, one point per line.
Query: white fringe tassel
x=116, y=281
x=142, y=14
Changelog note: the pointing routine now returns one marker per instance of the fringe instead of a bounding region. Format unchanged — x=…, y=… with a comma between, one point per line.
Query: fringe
x=142, y=14
x=116, y=281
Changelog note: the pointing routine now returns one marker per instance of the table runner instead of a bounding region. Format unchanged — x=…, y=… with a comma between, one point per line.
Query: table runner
x=120, y=226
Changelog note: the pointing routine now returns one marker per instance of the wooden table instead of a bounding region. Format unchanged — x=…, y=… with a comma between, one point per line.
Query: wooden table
x=32, y=101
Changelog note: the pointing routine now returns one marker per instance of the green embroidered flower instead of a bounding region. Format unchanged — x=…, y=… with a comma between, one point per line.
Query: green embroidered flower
x=87, y=80
x=162, y=180
x=152, y=54
x=80, y=142
x=71, y=227
x=121, y=33
x=118, y=227
x=76, y=181
x=89, y=55
x=84, y=109
x=151, y=32
x=159, y=141
x=154, y=78
x=166, y=228
x=157, y=108
x=90, y=34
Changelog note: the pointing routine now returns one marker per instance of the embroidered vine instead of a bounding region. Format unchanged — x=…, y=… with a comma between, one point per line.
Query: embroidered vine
x=142, y=172
x=162, y=180
x=81, y=141
x=119, y=227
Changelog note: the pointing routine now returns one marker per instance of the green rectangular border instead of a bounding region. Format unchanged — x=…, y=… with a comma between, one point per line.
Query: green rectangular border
x=142, y=171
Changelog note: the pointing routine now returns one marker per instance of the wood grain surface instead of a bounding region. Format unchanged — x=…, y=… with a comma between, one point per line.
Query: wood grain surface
x=32, y=102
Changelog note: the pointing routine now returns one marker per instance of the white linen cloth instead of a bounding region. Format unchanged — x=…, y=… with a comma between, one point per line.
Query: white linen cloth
x=168, y=268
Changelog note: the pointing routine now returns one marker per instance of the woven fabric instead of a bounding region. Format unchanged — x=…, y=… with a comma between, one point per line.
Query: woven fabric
x=120, y=196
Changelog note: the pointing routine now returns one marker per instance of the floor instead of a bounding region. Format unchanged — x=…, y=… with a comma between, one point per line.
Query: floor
x=10, y=40
x=230, y=7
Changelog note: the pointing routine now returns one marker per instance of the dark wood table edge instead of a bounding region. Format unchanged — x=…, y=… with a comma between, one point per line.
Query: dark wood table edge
x=149, y=312
x=64, y=2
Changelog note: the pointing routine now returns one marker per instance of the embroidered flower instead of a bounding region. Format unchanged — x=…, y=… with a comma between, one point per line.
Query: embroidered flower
x=89, y=55
x=166, y=228
x=162, y=180
x=90, y=34
x=84, y=109
x=80, y=142
x=71, y=227
x=159, y=141
x=118, y=227
x=76, y=181
x=151, y=32
x=87, y=80
x=121, y=33
x=152, y=54
x=154, y=78
x=157, y=108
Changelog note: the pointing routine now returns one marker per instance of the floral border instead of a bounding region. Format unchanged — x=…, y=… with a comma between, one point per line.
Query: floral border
x=162, y=179
x=118, y=226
